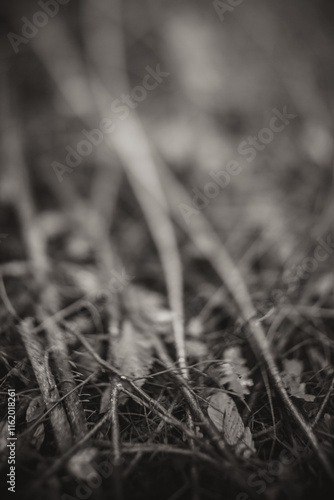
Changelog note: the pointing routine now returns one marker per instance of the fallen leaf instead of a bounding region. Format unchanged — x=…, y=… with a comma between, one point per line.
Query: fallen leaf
x=38, y=436
x=132, y=353
x=147, y=309
x=35, y=409
x=80, y=465
x=225, y=416
x=234, y=372
x=291, y=377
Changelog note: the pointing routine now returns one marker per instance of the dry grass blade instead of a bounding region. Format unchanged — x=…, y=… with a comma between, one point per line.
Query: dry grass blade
x=20, y=195
x=134, y=149
x=47, y=386
x=206, y=240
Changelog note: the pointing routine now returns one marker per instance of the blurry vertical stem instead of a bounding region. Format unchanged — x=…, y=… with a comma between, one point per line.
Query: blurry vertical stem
x=131, y=143
x=116, y=440
x=206, y=240
x=132, y=147
x=47, y=385
x=20, y=195
x=135, y=152
x=129, y=140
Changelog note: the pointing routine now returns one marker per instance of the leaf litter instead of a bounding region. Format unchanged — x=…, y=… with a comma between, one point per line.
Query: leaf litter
x=224, y=414
x=164, y=403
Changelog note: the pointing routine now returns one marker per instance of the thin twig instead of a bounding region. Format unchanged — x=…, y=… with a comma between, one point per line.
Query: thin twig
x=47, y=386
x=116, y=440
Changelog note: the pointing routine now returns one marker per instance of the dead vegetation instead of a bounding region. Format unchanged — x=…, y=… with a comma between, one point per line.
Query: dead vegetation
x=165, y=341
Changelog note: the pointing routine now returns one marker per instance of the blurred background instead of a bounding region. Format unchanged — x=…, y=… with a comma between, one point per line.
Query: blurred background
x=228, y=68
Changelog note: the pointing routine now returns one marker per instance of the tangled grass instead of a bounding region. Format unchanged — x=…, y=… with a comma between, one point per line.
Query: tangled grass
x=122, y=320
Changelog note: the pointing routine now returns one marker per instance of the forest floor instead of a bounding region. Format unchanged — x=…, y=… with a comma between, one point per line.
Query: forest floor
x=166, y=251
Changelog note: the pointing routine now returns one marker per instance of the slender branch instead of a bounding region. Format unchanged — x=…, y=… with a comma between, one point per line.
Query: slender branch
x=47, y=385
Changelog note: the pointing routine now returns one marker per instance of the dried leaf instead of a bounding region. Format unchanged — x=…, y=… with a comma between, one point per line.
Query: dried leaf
x=234, y=372
x=291, y=377
x=225, y=416
x=80, y=465
x=23, y=371
x=38, y=436
x=133, y=353
x=35, y=409
x=147, y=309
